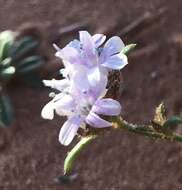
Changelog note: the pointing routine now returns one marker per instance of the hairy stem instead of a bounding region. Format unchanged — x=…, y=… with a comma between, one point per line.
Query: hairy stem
x=118, y=123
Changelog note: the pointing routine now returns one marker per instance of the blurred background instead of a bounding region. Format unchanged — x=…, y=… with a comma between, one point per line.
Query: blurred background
x=30, y=154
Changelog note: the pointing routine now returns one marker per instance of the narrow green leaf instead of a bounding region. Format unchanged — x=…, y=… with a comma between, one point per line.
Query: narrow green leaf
x=6, y=112
x=29, y=64
x=5, y=63
x=23, y=46
x=7, y=73
x=6, y=40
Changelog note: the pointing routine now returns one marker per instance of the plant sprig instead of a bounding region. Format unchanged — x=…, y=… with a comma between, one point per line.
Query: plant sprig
x=163, y=132
x=17, y=59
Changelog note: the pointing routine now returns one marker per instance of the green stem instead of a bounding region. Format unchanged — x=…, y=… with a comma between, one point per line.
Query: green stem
x=118, y=123
x=145, y=130
x=72, y=155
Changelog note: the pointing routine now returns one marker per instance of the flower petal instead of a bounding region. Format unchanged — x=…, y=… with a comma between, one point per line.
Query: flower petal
x=94, y=76
x=48, y=111
x=113, y=45
x=95, y=121
x=97, y=82
x=65, y=105
x=75, y=44
x=98, y=39
x=69, y=130
x=107, y=106
x=57, y=84
x=88, y=49
x=86, y=41
x=80, y=81
x=116, y=62
x=69, y=54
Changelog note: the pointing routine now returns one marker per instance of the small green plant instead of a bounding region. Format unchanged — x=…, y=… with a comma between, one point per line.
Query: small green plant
x=18, y=59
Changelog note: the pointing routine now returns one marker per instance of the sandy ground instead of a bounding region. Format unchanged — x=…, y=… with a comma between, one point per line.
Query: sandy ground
x=30, y=154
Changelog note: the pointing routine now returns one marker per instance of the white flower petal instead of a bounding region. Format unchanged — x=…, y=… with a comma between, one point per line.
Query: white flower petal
x=94, y=76
x=69, y=130
x=57, y=84
x=65, y=105
x=48, y=111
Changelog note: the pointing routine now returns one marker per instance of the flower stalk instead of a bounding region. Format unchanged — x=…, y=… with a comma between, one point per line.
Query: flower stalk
x=72, y=155
x=147, y=130
x=119, y=123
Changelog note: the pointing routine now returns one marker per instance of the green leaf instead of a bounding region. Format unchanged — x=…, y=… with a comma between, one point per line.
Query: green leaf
x=6, y=40
x=173, y=121
x=7, y=73
x=6, y=112
x=23, y=46
x=73, y=154
x=29, y=64
x=5, y=63
x=128, y=48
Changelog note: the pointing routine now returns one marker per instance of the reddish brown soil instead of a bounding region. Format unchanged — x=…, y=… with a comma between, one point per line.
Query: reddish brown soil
x=30, y=154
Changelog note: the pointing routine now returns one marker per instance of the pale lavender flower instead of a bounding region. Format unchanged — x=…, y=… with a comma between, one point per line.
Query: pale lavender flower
x=87, y=63
x=91, y=52
x=81, y=109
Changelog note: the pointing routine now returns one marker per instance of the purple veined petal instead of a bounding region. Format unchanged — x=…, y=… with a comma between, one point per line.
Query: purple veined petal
x=86, y=41
x=116, y=62
x=48, y=111
x=95, y=121
x=69, y=54
x=107, y=106
x=57, y=84
x=69, y=130
x=88, y=49
x=98, y=39
x=113, y=46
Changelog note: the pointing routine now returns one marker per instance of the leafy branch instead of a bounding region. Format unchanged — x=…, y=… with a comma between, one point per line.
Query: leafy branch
x=159, y=128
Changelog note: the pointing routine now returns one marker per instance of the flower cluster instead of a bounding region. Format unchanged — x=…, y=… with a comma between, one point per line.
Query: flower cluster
x=87, y=63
